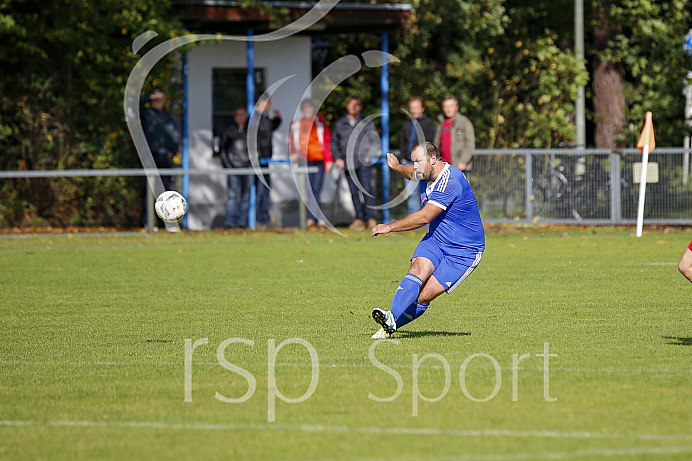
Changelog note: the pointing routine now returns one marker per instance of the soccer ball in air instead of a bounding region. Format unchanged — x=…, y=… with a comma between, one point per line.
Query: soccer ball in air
x=170, y=206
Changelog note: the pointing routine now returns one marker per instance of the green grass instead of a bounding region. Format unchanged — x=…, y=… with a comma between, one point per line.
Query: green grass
x=93, y=330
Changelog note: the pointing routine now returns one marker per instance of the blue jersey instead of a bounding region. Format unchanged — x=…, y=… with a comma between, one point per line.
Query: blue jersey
x=459, y=227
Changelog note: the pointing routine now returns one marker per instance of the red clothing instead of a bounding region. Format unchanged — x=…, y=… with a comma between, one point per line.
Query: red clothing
x=446, y=140
x=309, y=142
x=690, y=246
x=311, y=139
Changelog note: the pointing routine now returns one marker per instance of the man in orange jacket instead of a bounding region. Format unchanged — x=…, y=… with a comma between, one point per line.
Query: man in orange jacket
x=310, y=141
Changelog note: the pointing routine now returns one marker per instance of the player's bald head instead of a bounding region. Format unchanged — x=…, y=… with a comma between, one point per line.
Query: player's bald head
x=429, y=149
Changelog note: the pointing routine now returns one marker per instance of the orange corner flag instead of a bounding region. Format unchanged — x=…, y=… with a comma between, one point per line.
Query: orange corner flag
x=647, y=137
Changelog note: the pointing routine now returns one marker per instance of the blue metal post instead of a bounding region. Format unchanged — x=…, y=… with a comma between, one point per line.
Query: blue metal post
x=185, y=186
x=384, y=121
x=529, y=187
x=250, y=83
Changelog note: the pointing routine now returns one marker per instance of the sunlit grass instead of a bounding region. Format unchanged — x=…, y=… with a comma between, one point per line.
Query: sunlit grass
x=93, y=334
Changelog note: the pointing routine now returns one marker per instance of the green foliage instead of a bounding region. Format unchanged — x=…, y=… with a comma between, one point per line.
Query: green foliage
x=511, y=65
x=514, y=81
x=649, y=46
x=441, y=55
x=61, y=106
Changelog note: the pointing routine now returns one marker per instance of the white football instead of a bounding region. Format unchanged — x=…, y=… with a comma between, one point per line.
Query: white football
x=170, y=206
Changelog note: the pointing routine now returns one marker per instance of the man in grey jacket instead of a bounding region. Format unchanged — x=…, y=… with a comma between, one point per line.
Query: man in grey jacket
x=455, y=136
x=357, y=161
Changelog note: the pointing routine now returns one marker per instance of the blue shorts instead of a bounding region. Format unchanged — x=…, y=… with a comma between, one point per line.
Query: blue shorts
x=450, y=269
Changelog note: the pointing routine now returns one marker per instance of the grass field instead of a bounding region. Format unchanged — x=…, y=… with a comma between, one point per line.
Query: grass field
x=93, y=357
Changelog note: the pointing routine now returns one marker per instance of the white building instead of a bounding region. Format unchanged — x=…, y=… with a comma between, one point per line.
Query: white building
x=217, y=83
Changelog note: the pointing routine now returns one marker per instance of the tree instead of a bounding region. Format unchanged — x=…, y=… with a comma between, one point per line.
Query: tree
x=61, y=105
x=511, y=77
x=642, y=42
x=512, y=66
x=533, y=80
x=608, y=76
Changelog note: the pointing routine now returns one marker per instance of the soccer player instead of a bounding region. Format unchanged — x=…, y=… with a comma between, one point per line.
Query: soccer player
x=451, y=249
x=685, y=264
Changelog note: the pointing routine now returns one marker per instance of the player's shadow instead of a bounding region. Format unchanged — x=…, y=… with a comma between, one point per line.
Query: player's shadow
x=421, y=334
x=678, y=341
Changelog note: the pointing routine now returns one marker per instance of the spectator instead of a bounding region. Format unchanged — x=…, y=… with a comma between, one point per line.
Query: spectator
x=455, y=136
x=265, y=130
x=234, y=154
x=163, y=137
x=408, y=139
x=310, y=141
x=357, y=161
x=685, y=264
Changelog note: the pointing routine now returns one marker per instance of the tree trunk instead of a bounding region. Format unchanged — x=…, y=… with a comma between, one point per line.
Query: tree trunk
x=609, y=104
x=609, y=99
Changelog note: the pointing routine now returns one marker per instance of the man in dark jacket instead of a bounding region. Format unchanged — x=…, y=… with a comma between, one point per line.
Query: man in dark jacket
x=234, y=154
x=161, y=131
x=163, y=137
x=409, y=138
x=357, y=162
x=265, y=149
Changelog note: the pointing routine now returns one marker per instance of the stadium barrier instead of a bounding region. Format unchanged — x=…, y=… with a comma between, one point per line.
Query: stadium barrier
x=560, y=186
x=164, y=172
x=571, y=186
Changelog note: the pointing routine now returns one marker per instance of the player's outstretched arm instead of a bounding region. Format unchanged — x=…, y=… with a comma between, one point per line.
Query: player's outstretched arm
x=404, y=170
x=685, y=264
x=381, y=229
x=410, y=222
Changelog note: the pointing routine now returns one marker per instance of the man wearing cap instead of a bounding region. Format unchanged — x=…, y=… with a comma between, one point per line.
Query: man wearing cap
x=161, y=131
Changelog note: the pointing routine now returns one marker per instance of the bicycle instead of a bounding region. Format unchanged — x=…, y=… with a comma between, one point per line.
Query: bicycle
x=558, y=192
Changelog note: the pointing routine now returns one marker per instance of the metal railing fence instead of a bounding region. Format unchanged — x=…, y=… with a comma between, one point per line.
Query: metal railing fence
x=570, y=186
x=562, y=186
x=139, y=172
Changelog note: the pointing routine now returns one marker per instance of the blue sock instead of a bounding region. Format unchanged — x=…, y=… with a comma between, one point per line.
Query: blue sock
x=404, y=302
x=420, y=309
x=411, y=313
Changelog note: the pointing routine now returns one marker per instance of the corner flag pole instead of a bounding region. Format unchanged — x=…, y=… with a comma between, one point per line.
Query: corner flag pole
x=646, y=144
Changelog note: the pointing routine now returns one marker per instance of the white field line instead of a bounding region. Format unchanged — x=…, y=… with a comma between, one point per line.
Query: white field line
x=667, y=263
x=319, y=428
x=596, y=452
x=430, y=365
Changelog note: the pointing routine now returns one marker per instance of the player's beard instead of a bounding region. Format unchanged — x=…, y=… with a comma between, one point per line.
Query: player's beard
x=423, y=176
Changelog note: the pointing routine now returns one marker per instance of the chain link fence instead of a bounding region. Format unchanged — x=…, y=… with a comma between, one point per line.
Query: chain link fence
x=570, y=186
x=562, y=186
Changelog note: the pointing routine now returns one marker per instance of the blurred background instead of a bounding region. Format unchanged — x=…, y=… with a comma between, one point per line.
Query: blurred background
x=516, y=67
